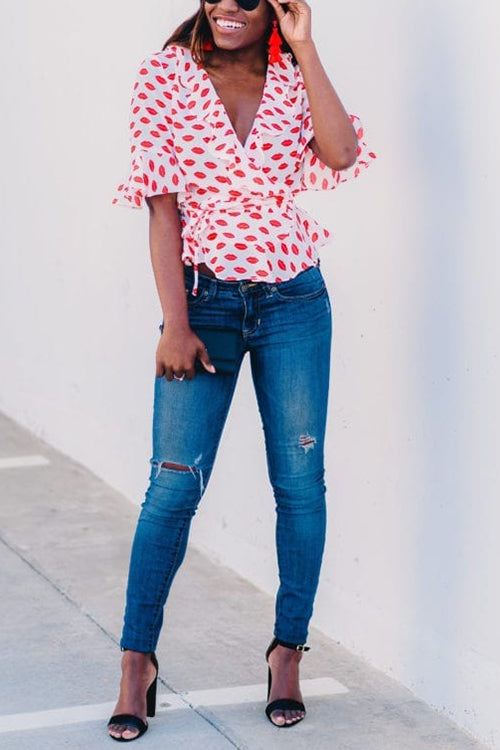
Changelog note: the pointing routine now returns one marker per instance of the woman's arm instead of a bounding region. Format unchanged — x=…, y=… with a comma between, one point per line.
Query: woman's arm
x=335, y=140
x=165, y=244
x=179, y=345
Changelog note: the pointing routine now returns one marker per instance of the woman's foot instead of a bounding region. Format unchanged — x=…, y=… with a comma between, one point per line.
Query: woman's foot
x=284, y=665
x=138, y=672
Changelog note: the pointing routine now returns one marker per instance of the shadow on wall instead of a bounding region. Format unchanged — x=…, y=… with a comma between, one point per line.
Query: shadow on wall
x=439, y=137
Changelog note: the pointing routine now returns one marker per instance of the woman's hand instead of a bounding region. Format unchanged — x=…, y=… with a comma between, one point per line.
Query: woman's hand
x=177, y=351
x=295, y=22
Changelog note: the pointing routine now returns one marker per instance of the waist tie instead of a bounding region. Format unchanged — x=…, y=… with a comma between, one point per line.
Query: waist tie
x=199, y=215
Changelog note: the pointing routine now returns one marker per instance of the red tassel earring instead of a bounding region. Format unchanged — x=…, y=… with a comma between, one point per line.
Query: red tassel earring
x=274, y=44
x=208, y=44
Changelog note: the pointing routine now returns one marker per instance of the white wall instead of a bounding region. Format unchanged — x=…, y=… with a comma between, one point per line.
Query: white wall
x=409, y=578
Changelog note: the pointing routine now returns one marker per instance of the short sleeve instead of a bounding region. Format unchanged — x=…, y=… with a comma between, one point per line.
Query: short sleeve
x=154, y=168
x=315, y=175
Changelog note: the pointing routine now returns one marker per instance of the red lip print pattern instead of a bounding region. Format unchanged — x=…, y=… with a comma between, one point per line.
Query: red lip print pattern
x=235, y=201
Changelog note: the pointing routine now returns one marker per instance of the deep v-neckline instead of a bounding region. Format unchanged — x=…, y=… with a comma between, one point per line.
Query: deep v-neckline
x=225, y=112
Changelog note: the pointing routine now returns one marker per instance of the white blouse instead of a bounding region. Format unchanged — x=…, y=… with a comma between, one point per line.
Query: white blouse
x=236, y=202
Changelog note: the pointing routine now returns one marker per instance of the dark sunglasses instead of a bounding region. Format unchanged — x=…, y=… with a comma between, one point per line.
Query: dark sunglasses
x=245, y=4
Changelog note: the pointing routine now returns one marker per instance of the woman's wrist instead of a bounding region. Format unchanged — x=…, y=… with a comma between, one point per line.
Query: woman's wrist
x=304, y=50
x=176, y=323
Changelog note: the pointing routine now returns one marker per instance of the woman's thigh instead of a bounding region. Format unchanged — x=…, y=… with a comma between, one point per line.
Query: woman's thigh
x=188, y=418
x=189, y=415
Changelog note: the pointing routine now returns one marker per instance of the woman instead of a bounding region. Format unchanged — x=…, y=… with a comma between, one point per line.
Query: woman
x=228, y=122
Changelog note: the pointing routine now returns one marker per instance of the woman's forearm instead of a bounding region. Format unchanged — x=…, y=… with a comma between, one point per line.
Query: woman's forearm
x=165, y=243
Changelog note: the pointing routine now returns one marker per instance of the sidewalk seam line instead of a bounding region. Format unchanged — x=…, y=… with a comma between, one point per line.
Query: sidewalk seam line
x=92, y=619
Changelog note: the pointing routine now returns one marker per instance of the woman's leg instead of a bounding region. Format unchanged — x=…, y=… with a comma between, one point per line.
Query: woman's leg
x=290, y=359
x=188, y=419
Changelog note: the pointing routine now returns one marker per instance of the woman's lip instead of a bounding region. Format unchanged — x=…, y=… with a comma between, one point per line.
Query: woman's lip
x=223, y=30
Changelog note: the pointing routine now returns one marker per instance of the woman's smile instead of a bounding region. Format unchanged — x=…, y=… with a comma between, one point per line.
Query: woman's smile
x=226, y=24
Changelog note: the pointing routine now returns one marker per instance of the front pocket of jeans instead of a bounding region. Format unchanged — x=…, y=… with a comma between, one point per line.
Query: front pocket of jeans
x=302, y=290
x=291, y=297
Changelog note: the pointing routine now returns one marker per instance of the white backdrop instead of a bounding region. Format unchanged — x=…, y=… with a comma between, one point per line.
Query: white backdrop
x=410, y=571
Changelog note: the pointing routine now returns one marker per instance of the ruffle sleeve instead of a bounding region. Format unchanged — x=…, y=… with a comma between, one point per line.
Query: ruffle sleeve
x=315, y=175
x=154, y=168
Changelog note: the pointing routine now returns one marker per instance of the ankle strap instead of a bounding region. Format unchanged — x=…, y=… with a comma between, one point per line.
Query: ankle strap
x=293, y=646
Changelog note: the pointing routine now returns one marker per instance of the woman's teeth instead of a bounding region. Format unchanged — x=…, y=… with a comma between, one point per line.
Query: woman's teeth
x=228, y=24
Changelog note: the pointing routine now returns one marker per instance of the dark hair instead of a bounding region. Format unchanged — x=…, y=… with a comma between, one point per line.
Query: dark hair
x=195, y=31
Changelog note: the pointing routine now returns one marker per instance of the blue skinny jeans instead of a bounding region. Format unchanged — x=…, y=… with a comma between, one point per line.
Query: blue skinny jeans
x=287, y=329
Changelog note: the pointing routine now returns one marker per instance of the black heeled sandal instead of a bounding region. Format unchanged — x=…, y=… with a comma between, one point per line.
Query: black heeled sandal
x=283, y=704
x=135, y=722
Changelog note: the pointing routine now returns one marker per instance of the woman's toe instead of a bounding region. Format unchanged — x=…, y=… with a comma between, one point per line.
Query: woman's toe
x=114, y=730
x=278, y=718
x=129, y=733
x=293, y=716
x=122, y=730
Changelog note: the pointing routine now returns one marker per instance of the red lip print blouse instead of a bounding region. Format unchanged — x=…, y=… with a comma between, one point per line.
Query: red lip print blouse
x=236, y=202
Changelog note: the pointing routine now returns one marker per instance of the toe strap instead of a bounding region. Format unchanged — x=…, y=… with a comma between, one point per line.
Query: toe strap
x=284, y=704
x=135, y=722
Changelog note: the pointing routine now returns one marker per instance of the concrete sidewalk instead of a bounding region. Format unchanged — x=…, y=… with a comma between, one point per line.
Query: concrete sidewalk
x=64, y=555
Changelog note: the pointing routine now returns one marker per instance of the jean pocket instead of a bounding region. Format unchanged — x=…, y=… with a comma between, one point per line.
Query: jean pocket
x=306, y=285
x=204, y=295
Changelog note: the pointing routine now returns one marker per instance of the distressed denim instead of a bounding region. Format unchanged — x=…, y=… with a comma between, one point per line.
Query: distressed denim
x=287, y=329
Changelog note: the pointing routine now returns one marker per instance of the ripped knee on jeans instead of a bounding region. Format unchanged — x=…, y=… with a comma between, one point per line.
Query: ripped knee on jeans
x=179, y=467
x=195, y=471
